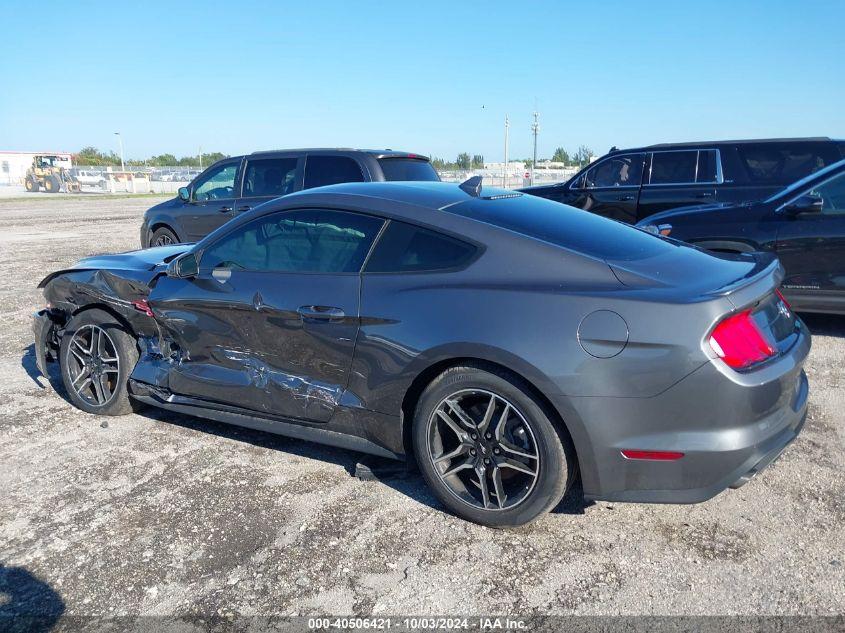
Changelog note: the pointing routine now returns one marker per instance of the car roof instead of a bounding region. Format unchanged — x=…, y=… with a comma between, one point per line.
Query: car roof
x=430, y=194
x=377, y=153
x=758, y=141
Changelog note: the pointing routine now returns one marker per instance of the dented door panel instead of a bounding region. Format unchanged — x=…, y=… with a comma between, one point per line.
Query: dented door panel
x=259, y=340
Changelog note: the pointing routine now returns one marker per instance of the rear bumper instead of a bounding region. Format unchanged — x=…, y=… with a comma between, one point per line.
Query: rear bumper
x=728, y=426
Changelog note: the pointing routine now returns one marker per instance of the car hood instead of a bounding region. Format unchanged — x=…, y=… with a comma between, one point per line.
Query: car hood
x=663, y=216
x=146, y=259
x=149, y=259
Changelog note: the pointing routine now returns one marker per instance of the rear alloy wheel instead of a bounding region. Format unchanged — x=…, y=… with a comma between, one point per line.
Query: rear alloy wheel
x=488, y=449
x=97, y=355
x=163, y=237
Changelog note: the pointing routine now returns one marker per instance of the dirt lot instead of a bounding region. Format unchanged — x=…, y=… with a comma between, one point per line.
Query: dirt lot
x=164, y=514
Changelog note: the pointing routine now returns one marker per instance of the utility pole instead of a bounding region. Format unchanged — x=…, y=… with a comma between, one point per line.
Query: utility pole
x=535, y=127
x=505, y=169
x=122, y=163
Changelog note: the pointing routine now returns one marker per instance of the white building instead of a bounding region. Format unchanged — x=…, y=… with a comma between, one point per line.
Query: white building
x=13, y=165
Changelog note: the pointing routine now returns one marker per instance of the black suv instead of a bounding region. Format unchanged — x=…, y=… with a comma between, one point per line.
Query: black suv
x=632, y=184
x=804, y=224
x=234, y=185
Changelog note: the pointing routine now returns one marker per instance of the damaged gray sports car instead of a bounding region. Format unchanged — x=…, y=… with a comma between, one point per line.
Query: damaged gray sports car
x=507, y=342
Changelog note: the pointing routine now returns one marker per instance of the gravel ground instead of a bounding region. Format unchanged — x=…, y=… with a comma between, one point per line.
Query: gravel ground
x=163, y=514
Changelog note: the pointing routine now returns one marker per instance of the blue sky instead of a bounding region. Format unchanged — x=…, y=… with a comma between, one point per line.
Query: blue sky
x=431, y=77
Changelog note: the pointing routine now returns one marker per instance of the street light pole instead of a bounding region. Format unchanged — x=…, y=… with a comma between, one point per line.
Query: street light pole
x=505, y=169
x=122, y=163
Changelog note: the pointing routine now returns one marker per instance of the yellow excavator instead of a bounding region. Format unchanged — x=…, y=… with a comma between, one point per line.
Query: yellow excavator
x=50, y=174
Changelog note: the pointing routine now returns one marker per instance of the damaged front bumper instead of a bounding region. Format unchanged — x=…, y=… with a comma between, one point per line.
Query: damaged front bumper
x=45, y=325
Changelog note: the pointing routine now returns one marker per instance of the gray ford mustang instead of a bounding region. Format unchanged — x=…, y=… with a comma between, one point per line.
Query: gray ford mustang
x=507, y=342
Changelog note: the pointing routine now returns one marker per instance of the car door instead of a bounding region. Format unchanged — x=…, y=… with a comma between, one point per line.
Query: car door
x=678, y=178
x=269, y=322
x=811, y=247
x=268, y=177
x=212, y=200
x=611, y=187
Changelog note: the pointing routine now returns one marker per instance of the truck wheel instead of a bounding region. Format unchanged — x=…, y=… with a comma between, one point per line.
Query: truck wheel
x=97, y=356
x=31, y=185
x=51, y=184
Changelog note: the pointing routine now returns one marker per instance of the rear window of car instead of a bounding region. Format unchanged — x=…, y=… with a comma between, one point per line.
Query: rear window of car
x=775, y=164
x=565, y=226
x=407, y=169
x=404, y=247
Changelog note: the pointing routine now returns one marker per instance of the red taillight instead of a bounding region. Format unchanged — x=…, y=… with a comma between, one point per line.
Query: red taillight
x=662, y=456
x=739, y=342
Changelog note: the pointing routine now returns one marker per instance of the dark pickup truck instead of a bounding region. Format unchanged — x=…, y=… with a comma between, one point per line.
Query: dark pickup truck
x=632, y=184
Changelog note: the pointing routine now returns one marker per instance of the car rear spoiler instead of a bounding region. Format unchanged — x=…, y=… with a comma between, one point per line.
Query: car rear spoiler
x=765, y=277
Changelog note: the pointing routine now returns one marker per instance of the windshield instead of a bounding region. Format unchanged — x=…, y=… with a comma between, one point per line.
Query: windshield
x=407, y=169
x=798, y=185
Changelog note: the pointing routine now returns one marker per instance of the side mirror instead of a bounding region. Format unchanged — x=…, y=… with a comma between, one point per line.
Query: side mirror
x=184, y=267
x=805, y=204
x=184, y=194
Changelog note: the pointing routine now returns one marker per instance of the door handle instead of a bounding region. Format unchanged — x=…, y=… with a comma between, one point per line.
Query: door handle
x=705, y=194
x=321, y=313
x=625, y=198
x=224, y=209
x=244, y=208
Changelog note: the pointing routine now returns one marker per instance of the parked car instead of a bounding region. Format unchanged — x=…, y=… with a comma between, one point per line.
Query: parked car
x=632, y=184
x=507, y=341
x=235, y=185
x=89, y=177
x=803, y=224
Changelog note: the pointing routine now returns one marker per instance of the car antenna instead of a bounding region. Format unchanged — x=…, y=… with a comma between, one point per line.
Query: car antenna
x=472, y=186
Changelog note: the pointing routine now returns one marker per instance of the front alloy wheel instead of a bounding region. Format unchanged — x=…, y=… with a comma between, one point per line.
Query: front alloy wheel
x=94, y=365
x=96, y=357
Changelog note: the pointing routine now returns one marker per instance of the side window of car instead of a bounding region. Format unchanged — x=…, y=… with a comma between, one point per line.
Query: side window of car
x=218, y=183
x=407, y=248
x=771, y=163
x=673, y=168
x=708, y=169
x=617, y=171
x=307, y=241
x=270, y=177
x=331, y=170
x=832, y=194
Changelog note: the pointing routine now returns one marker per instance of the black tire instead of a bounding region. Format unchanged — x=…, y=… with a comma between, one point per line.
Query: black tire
x=118, y=344
x=163, y=236
x=31, y=185
x=553, y=470
x=51, y=184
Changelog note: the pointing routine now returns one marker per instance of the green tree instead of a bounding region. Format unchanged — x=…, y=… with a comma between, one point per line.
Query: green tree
x=463, y=161
x=162, y=160
x=583, y=155
x=477, y=161
x=561, y=156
